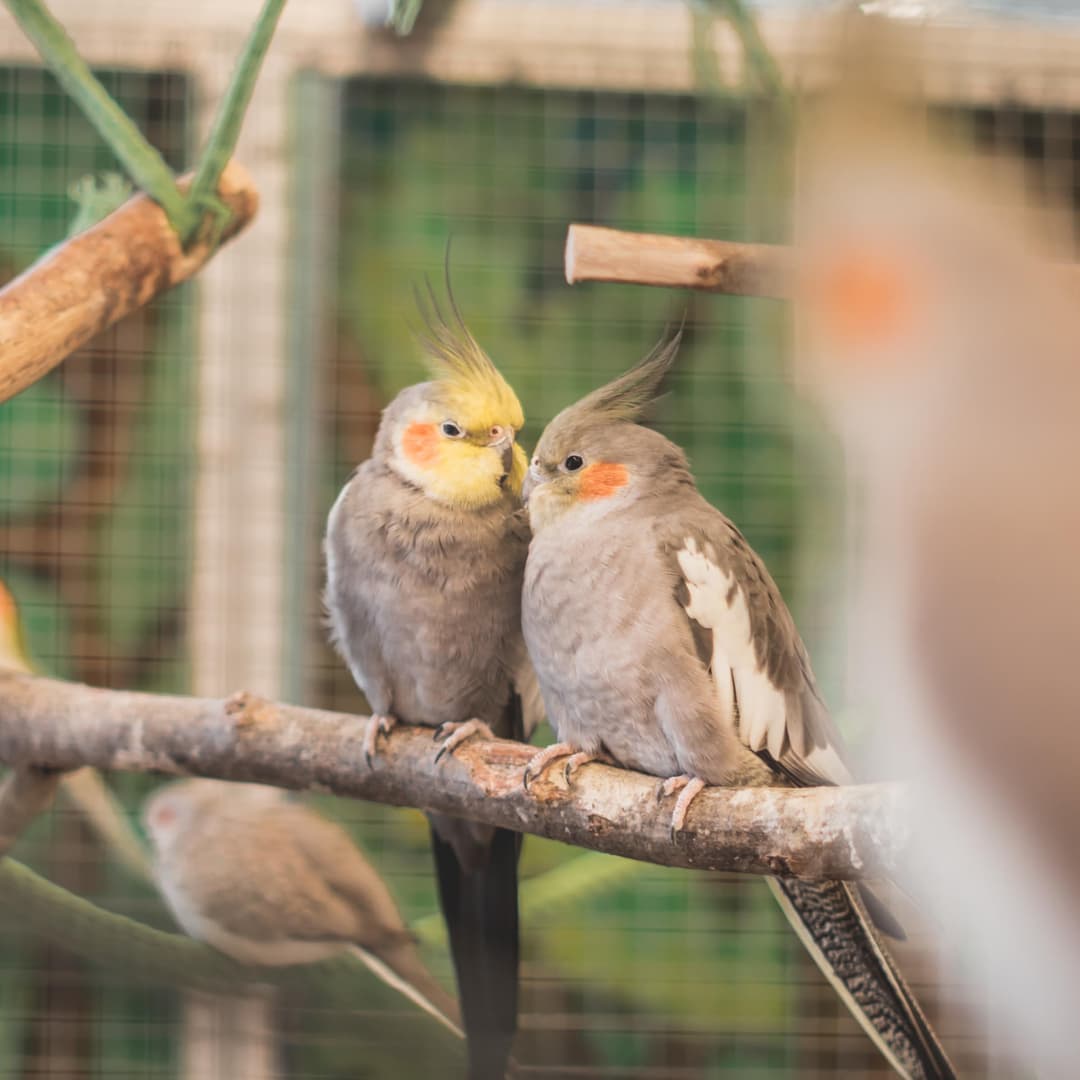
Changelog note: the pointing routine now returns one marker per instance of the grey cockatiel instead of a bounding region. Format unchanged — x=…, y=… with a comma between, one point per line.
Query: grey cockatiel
x=270, y=882
x=425, y=551
x=661, y=641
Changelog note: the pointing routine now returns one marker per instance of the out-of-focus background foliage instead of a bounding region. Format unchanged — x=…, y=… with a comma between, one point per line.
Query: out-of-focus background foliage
x=162, y=493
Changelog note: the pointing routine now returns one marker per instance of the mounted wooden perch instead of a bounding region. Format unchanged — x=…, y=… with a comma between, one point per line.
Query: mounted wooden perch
x=96, y=278
x=594, y=253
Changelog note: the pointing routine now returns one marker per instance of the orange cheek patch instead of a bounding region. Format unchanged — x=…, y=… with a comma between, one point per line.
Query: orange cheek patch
x=420, y=444
x=602, y=480
x=866, y=299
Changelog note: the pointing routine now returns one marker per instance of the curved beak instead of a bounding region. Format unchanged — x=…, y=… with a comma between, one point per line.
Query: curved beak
x=533, y=480
x=504, y=444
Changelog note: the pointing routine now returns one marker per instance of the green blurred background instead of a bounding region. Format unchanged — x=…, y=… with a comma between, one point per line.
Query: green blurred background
x=635, y=971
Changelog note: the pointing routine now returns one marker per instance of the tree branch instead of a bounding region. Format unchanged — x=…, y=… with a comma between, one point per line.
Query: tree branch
x=594, y=253
x=815, y=833
x=93, y=280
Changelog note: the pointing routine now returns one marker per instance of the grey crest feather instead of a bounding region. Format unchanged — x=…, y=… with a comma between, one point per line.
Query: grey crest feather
x=628, y=397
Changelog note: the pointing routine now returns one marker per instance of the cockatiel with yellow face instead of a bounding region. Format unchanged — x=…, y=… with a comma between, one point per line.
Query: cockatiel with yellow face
x=84, y=787
x=425, y=551
x=661, y=642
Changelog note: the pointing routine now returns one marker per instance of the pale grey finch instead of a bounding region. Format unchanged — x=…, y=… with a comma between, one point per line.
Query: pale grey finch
x=661, y=641
x=270, y=882
x=425, y=551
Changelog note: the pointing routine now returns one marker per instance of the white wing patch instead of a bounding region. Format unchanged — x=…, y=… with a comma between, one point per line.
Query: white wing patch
x=717, y=603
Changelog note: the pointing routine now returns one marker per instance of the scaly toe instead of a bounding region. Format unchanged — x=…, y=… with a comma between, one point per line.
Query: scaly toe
x=379, y=724
x=582, y=757
x=691, y=788
x=666, y=788
x=454, y=734
x=543, y=758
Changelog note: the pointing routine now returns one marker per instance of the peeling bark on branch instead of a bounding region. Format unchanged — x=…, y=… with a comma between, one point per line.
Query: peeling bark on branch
x=594, y=253
x=96, y=278
x=814, y=833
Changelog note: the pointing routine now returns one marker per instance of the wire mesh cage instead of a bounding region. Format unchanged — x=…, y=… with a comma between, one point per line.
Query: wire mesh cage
x=164, y=492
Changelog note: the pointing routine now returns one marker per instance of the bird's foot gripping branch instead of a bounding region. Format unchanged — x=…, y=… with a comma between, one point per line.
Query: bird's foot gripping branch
x=817, y=833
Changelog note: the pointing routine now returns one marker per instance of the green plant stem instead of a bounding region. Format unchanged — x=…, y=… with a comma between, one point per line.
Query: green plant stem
x=143, y=163
x=230, y=115
x=757, y=52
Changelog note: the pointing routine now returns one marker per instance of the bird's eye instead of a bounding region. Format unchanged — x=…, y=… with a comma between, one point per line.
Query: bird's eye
x=573, y=462
x=451, y=430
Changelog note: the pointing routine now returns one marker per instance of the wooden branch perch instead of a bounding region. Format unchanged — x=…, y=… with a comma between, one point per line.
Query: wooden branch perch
x=824, y=832
x=96, y=278
x=594, y=253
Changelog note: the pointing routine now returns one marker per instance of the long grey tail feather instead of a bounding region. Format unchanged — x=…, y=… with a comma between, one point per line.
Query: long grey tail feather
x=480, y=907
x=400, y=967
x=836, y=929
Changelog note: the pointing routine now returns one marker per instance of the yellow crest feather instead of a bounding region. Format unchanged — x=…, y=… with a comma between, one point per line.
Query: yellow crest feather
x=473, y=388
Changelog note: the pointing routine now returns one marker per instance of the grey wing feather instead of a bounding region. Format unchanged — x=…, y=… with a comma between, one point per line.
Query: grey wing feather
x=740, y=622
x=256, y=897
x=352, y=632
x=334, y=859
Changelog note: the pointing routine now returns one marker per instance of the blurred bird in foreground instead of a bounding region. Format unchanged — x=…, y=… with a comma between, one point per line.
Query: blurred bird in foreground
x=269, y=882
x=425, y=551
x=85, y=787
x=662, y=643
x=945, y=347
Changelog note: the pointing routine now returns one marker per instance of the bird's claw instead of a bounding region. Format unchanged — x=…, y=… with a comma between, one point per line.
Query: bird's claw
x=543, y=758
x=380, y=724
x=453, y=734
x=688, y=787
x=583, y=757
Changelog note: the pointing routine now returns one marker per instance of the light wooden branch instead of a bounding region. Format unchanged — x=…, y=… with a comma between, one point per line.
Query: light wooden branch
x=824, y=832
x=594, y=253
x=96, y=278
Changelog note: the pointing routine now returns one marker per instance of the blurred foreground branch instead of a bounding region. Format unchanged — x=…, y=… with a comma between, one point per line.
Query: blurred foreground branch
x=815, y=833
x=93, y=280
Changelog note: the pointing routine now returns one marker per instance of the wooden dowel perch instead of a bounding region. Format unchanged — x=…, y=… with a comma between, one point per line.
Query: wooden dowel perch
x=594, y=253
x=96, y=278
x=823, y=832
